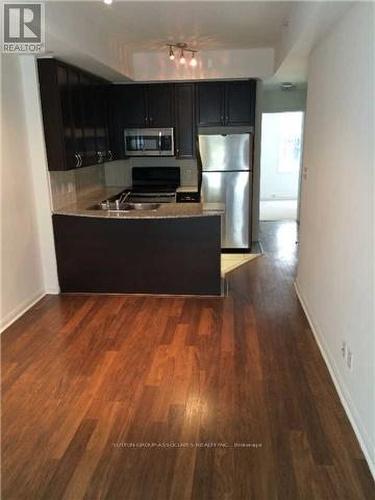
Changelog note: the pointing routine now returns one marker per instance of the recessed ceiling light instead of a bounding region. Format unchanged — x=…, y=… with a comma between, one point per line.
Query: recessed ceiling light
x=287, y=86
x=108, y=2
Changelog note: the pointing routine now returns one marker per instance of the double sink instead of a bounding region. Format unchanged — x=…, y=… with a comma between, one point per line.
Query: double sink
x=120, y=203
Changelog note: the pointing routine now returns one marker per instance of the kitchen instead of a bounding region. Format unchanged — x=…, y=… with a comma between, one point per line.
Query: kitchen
x=184, y=155
x=159, y=339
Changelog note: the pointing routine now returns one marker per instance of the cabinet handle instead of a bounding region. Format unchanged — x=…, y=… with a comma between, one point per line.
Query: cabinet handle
x=227, y=118
x=110, y=156
x=150, y=119
x=80, y=160
x=222, y=118
x=177, y=151
x=77, y=160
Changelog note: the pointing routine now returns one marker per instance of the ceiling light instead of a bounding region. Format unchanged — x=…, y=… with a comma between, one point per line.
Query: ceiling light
x=108, y=2
x=287, y=86
x=193, y=61
x=182, y=47
x=182, y=58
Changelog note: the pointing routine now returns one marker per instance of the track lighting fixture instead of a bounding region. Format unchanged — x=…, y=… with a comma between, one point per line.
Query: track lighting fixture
x=182, y=47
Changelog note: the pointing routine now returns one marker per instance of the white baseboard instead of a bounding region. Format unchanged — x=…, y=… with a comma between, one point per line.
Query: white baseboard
x=350, y=410
x=17, y=312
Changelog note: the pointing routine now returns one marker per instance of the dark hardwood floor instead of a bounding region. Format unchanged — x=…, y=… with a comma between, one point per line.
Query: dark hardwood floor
x=84, y=377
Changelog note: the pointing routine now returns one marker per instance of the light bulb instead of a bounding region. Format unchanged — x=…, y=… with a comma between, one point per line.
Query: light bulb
x=193, y=61
x=182, y=58
x=171, y=54
x=108, y=2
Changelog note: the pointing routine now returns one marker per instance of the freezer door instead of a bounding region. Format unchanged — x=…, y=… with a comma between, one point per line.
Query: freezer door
x=233, y=189
x=225, y=152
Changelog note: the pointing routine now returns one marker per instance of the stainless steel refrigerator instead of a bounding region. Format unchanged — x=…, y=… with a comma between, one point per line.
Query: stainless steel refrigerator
x=226, y=177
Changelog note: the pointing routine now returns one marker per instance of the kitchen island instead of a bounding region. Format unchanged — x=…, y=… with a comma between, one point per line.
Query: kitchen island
x=174, y=249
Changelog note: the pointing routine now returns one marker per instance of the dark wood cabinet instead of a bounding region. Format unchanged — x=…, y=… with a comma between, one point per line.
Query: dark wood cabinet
x=185, y=120
x=159, y=98
x=84, y=116
x=240, y=103
x=87, y=99
x=226, y=103
x=145, y=105
x=131, y=106
x=210, y=104
x=70, y=105
x=58, y=118
x=75, y=93
x=114, y=255
x=102, y=123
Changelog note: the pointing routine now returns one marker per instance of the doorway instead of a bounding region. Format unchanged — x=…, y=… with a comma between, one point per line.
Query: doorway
x=280, y=163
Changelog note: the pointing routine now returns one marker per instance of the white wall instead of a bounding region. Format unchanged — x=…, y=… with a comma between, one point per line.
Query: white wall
x=276, y=100
x=21, y=269
x=28, y=267
x=335, y=277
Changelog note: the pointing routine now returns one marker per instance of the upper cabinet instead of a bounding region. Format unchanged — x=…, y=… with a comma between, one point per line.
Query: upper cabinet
x=141, y=106
x=159, y=98
x=185, y=120
x=226, y=103
x=130, y=105
x=84, y=116
x=210, y=104
x=70, y=102
x=240, y=102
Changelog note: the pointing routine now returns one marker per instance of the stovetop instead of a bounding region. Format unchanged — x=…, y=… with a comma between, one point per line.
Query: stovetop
x=149, y=185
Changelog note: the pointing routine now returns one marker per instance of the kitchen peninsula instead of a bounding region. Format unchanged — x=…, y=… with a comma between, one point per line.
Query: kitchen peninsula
x=172, y=249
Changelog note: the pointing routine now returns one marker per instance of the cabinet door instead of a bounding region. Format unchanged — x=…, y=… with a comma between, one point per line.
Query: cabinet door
x=160, y=105
x=77, y=114
x=210, y=104
x=88, y=103
x=185, y=120
x=67, y=156
x=101, y=123
x=240, y=103
x=132, y=106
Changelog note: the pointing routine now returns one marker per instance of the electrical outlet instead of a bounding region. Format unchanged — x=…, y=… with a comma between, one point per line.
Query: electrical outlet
x=349, y=360
x=343, y=349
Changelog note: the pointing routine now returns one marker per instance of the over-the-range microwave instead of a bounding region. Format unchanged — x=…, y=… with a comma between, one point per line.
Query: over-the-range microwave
x=149, y=142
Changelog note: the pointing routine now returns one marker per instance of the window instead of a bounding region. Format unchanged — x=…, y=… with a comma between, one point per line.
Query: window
x=286, y=129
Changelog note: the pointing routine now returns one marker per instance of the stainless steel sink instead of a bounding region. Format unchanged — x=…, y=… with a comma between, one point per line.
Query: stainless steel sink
x=124, y=207
x=141, y=206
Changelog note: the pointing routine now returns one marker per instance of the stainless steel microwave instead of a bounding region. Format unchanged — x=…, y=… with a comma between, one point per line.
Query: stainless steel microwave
x=149, y=142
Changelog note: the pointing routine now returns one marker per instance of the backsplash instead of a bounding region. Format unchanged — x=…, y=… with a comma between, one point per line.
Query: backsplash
x=68, y=186
x=118, y=173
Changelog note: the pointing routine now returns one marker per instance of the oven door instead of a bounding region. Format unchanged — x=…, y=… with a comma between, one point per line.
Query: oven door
x=149, y=142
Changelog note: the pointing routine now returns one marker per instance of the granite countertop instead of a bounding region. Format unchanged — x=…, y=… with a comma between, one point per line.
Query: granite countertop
x=165, y=211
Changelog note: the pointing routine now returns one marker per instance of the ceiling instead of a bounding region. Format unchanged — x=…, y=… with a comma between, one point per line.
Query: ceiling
x=148, y=26
x=110, y=39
